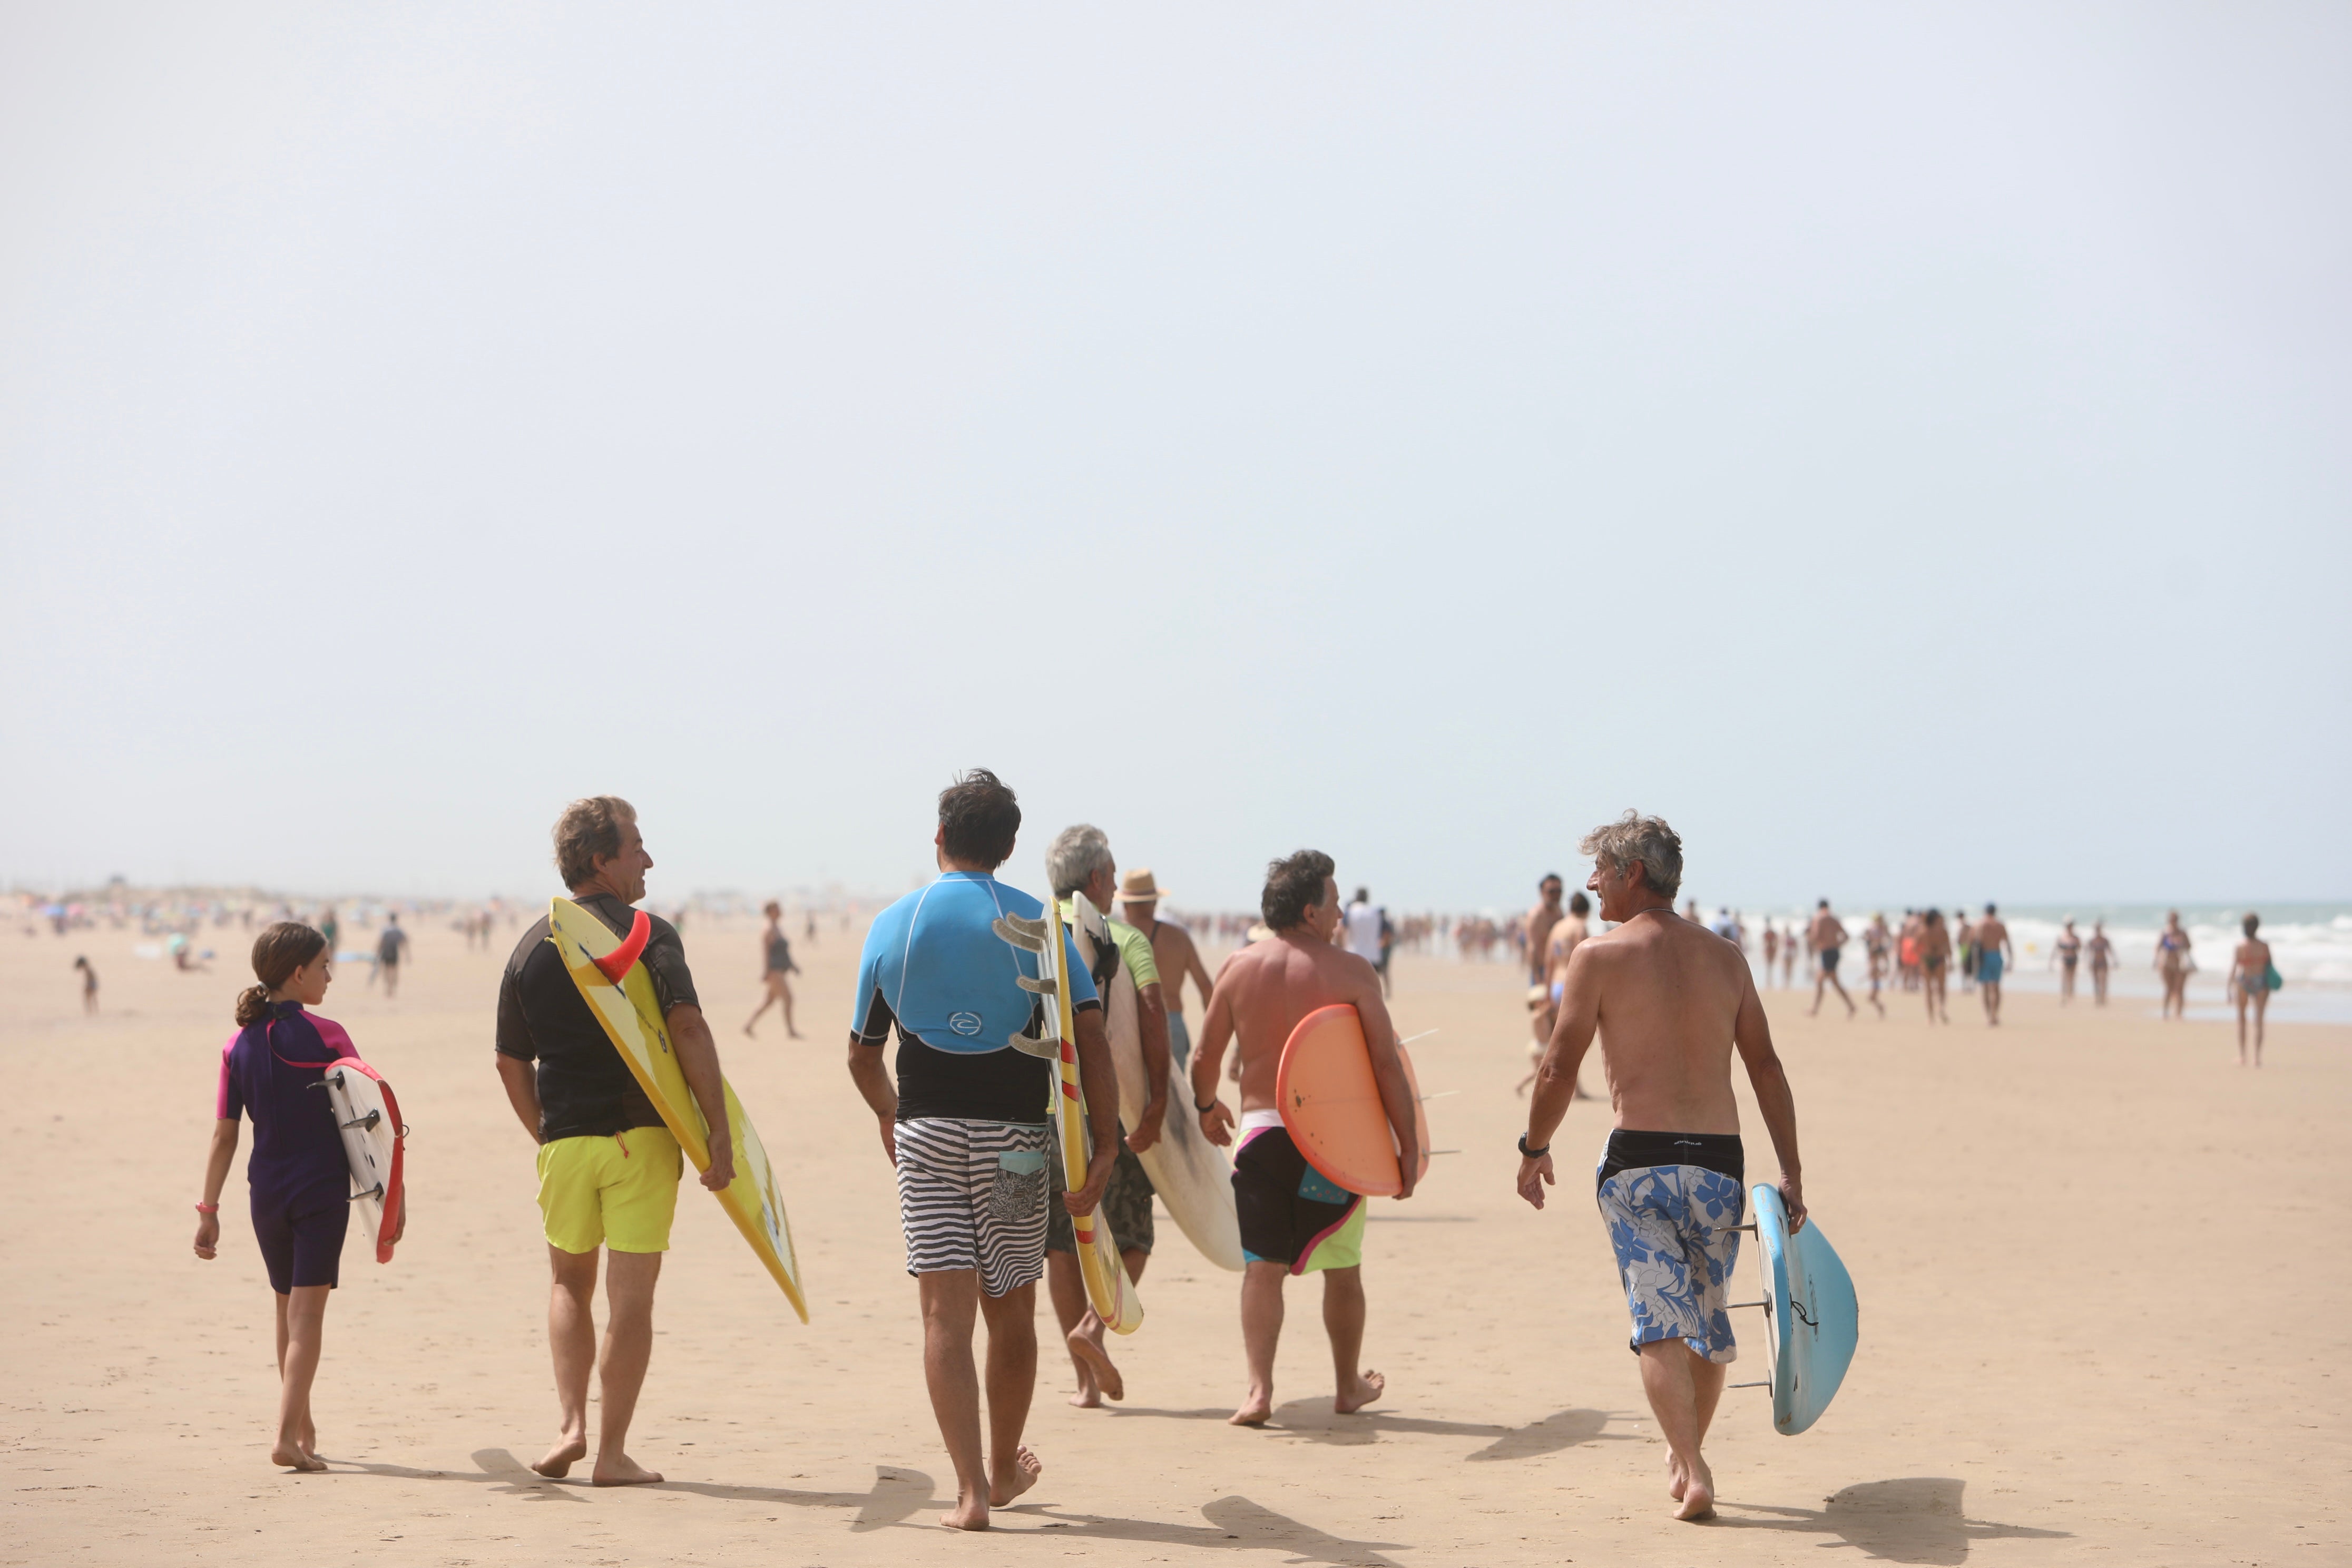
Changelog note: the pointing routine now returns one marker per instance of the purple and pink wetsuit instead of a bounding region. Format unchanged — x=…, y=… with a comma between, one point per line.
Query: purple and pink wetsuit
x=301, y=1178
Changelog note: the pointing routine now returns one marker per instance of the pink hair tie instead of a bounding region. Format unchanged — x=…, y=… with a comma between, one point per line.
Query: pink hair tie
x=208, y=1208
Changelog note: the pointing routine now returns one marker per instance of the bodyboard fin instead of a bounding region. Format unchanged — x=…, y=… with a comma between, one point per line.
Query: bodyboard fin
x=1020, y=932
x=616, y=963
x=1041, y=988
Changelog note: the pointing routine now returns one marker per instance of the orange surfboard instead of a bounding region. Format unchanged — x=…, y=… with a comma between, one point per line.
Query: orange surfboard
x=1331, y=1103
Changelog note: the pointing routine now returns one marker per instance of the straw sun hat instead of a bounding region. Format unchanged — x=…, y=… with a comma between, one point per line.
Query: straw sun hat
x=1137, y=888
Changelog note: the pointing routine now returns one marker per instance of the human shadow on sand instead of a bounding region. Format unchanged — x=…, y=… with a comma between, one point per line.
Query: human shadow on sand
x=896, y=1493
x=1315, y=1421
x=1235, y=1523
x=1916, y=1520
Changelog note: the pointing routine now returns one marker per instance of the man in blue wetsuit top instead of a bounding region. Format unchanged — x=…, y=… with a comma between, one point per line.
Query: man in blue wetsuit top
x=968, y=1126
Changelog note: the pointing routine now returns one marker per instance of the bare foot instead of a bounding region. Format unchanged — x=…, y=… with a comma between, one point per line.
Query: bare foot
x=1006, y=1483
x=747, y=1033
x=795, y=1034
x=620, y=1470
x=1087, y=1397
x=1256, y=1407
x=1675, y=1480
x=1097, y=1361
x=968, y=1513
x=1369, y=1385
x=559, y=1460
x=1698, y=1494
x=293, y=1458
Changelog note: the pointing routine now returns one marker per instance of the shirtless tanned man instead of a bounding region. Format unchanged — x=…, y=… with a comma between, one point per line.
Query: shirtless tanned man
x=1079, y=861
x=608, y=1169
x=1172, y=952
x=1825, y=939
x=965, y=1126
x=1671, y=1003
x=1994, y=954
x=1570, y=928
x=1542, y=1001
x=1293, y=1220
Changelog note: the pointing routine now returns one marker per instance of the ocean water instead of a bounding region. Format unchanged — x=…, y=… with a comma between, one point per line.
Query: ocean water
x=2310, y=944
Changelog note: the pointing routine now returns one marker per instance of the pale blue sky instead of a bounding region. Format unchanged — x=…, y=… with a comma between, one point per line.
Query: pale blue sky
x=1905, y=446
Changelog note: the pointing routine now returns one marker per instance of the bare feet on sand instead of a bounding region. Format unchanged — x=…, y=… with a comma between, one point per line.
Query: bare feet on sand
x=293, y=1458
x=559, y=1460
x=620, y=1470
x=1087, y=1347
x=1006, y=1482
x=1369, y=1385
x=1696, y=1489
x=1256, y=1406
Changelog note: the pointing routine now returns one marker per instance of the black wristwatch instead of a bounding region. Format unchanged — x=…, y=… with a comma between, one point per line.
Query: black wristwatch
x=1204, y=1109
x=1532, y=1153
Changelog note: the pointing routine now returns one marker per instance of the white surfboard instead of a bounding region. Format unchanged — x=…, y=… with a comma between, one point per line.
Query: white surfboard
x=374, y=1142
x=1191, y=1175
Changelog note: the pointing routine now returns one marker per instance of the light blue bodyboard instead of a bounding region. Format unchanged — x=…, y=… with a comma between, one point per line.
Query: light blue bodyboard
x=1815, y=1320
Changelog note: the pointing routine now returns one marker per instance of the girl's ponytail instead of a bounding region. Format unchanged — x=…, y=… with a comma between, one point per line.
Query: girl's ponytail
x=278, y=953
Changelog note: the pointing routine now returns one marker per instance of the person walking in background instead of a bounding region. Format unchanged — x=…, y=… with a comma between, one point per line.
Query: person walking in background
x=2174, y=964
x=1965, y=935
x=1788, y=957
x=330, y=928
x=1878, y=944
x=1825, y=939
x=2101, y=953
x=1772, y=949
x=1541, y=921
x=1361, y=932
x=299, y=1175
x=1934, y=957
x=89, y=984
x=1570, y=930
x=389, y=947
x=2066, y=954
x=2251, y=979
x=1994, y=955
x=777, y=970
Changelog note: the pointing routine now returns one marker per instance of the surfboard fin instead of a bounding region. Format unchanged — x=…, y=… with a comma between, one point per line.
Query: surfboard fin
x=1041, y=988
x=1030, y=935
x=1031, y=1046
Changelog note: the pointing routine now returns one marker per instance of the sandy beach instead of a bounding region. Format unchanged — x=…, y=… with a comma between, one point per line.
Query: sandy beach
x=2071, y=1237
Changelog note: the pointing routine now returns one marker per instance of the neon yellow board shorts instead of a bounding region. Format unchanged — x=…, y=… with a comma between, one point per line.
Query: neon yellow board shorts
x=619, y=1192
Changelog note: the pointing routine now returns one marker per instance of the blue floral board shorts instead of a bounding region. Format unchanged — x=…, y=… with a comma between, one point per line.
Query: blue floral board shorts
x=1675, y=1229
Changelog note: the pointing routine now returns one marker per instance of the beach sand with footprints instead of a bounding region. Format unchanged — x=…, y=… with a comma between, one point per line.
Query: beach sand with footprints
x=2101, y=1273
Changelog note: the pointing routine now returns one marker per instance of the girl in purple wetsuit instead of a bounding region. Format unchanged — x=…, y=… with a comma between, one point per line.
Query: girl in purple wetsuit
x=300, y=1179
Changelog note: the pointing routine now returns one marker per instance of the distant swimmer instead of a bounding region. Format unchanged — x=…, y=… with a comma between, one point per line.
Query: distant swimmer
x=300, y=1179
x=1293, y=1219
x=1079, y=861
x=389, y=948
x=1788, y=957
x=2174, y=964
x=2251, y=982
x=330, y=928
x=1173, y=952
x=2067, y=954
x=1995, y=953
x=966, y=1127
x=1365, y=930
x=776, y=969
x=89, y=984
x=1671, y=1185
x=1771, y=949
x=2100, y=951
x=1571, y=929
x=1541, y=921
x=1826, y=939
x=608, y=1168
x=1934, y=945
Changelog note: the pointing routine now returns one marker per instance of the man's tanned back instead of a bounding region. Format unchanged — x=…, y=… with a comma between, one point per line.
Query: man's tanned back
x=1668, y=998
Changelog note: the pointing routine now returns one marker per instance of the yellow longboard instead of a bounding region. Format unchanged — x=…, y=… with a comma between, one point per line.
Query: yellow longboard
x=631, y=1018
x=1108, y=1288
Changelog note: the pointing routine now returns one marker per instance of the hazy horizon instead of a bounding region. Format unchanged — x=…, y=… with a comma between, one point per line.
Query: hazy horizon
x=1903, y=448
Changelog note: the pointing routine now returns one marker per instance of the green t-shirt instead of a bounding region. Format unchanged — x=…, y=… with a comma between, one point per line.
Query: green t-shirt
x=1134, y=948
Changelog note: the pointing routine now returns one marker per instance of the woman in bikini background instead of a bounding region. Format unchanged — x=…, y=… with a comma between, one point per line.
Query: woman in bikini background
x=2249, y=982
x=2174, y=964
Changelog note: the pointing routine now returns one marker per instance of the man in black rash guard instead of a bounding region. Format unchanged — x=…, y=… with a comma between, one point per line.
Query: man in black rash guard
x=1678, y=1000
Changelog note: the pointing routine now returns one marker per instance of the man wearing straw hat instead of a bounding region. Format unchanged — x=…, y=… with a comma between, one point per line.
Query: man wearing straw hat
x=1172, y=951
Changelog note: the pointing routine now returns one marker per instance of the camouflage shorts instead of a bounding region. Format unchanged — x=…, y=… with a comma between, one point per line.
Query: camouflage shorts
x=1126, y=1208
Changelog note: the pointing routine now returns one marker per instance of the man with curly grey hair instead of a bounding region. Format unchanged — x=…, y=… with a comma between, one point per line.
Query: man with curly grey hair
x=1679, y=1000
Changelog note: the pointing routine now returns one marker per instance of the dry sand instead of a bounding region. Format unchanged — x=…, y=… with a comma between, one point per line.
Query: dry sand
x=2103, y=1272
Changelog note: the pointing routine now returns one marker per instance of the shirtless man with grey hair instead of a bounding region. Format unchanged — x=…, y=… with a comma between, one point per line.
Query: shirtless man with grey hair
x=1670, y=1002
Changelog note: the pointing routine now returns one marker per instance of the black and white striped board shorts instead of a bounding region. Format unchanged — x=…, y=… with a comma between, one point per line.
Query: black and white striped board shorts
x=971, y=1194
